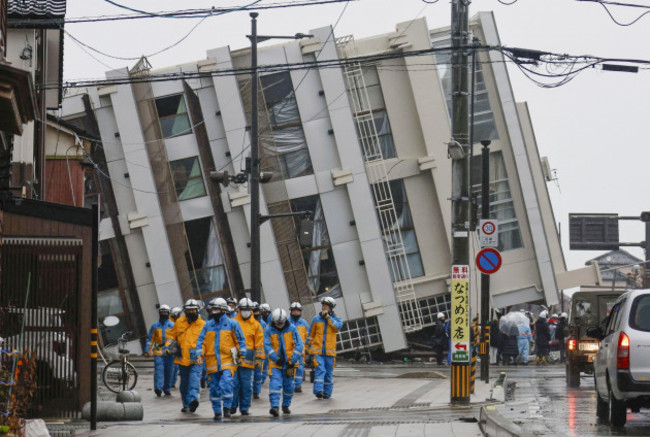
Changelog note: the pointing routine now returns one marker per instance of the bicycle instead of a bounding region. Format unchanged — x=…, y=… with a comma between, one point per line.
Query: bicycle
x=120, y=375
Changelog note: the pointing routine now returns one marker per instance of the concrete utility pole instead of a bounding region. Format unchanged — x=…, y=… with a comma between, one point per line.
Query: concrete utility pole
x=256, y=280
x=460, y=151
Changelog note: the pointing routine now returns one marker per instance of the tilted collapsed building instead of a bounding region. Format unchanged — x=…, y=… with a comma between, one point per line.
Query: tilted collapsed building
x=361, y=144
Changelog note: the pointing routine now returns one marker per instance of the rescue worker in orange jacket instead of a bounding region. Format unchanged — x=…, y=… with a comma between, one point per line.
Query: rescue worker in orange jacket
x=221, y=343
x=322, y=345
x=185, y=333
x=254, y=335
x=283, y=348
x=163, y=363
x=295, y=311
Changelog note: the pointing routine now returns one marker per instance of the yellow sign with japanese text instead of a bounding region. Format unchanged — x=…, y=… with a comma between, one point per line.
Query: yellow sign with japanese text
x=459, y=325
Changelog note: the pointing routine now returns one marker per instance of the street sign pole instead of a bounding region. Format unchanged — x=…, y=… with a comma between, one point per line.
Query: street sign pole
x=485, y=279
x=459, y=335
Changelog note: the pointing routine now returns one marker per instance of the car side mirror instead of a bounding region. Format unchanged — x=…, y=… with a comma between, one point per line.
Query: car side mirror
x=595, y=332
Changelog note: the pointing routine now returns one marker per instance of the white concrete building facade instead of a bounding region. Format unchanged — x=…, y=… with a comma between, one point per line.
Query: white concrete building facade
x=363, y=145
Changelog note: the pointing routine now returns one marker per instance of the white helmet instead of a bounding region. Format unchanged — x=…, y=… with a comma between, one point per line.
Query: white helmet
x=219, y=303
x=278, y=316
x=295, y=306
x=329, y=301
x=563, y=316
x=441, y=315
x=265, y=307
x=176, y=312
x=192, y=304
x=162, y=308
x=553, y=316
x=543, y=315
x=245, y=304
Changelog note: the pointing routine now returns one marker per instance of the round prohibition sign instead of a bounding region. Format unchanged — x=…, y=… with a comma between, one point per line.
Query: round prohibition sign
x=488, y=260
x=488, y=228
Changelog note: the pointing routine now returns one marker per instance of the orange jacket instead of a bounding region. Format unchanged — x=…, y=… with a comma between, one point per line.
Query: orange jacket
x=254, y=340
x=322, y=335
x=186, y=335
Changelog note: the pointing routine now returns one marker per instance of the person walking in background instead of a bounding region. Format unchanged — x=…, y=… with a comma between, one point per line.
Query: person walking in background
x=440, y=339
x=284, y=349
x=523, y=342
x=254, y=336
x=174, y=314
x=496, y=346
x=542, y=337
x=560, y=335
x=185, y=333
x=295, y=312
x=322, y=345
x=219, y=345
x=258, y=375
x=163, y=363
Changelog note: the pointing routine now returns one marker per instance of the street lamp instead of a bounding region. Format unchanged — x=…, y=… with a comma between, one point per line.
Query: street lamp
x=256, y=220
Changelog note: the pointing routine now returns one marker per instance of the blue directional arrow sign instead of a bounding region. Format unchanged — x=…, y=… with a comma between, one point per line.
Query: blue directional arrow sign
x=488, y=260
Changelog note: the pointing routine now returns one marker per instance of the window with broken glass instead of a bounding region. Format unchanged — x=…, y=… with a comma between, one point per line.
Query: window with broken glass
x=373, y=126
x=188, y=179
x=323, y=280
x=502, y=207
x=172, y=113
x=287, y=140
x=485, y=127
x=403, y=223
x=205, y=260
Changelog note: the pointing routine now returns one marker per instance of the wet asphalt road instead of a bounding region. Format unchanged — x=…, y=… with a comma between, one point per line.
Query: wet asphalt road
x=568, y=411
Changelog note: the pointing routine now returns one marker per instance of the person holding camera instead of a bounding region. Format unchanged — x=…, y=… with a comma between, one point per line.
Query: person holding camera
x=322, y=346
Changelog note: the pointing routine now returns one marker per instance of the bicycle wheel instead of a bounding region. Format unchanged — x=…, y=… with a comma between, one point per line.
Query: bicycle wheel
x=115, y=380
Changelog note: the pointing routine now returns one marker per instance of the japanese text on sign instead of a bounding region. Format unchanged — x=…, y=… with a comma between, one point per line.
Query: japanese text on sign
x=459, y=332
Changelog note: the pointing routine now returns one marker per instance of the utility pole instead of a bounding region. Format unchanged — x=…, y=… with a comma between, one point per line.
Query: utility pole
x=460, y=151
x=256, y=280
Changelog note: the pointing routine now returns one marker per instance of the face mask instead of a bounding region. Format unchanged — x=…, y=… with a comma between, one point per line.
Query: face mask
x=257, y=316
x=217, y=316
x=164, y=318
x=192, y=317
x=296, y=318
x=245, y=315
x=278, y=325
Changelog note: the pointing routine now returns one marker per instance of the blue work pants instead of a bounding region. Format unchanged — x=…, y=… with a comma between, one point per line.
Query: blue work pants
x=280, y=385
x=220, y=390
x=324, y=375
x=300, y=373
x=260, y=377
x=190, y=381
x=522, y=343
x=163, y=367
x=242, y=388
x=172, y=381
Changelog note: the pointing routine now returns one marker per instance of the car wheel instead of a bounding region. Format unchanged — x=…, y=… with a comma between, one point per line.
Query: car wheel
x=572, y=376
x=602, y=408
x=617, y=411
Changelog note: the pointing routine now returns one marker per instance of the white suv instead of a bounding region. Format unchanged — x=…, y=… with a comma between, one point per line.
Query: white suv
x=622, y=365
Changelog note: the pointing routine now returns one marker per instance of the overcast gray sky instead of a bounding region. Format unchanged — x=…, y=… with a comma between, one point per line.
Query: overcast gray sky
x=591, y=129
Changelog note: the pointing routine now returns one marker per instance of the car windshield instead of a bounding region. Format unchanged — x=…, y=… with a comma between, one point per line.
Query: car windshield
x=640, y=313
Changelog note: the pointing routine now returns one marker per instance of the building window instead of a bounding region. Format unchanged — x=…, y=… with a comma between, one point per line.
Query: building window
x=485, y=127
x=172, y=112
x=287, y=140
x=205, y=260
x=373, y=126
x=431, y=306
x=502, y=207
x=322, y=278
x=188, y=179
x=403, y=222
x=358, y=335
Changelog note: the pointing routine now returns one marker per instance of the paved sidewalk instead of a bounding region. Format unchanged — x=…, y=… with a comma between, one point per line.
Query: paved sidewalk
x=367, y=401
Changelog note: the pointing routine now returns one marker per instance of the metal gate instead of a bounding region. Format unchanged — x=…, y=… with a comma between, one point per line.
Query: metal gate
x=39, y=303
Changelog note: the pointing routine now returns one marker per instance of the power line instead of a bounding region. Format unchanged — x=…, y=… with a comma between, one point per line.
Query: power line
x=517, y=55
x=179, y=14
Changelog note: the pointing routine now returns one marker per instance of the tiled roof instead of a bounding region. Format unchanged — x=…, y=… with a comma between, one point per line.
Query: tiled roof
x=36, y=8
